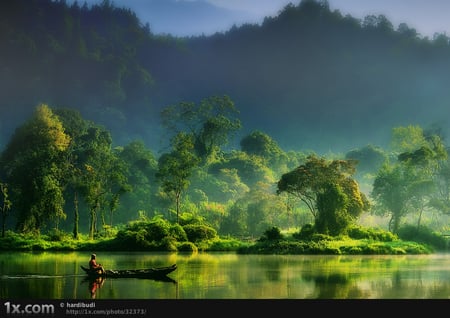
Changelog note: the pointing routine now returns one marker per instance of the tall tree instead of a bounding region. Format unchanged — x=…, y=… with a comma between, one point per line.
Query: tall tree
x=316, y=176
x=211, y=123
x=75, y=126
x=141, y=166
x=175, y=168
x=5, y=206
x=104, y=175
x=412, y=183
x=391, y=193
x=34, y=162
x=262, y=145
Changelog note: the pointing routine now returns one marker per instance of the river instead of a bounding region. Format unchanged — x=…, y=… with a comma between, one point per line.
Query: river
x=57, y=275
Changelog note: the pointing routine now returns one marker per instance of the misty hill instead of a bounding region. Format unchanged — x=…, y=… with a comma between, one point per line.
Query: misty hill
x=310, y=77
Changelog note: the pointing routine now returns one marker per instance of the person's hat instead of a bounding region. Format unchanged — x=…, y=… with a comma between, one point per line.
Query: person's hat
x=93, y=256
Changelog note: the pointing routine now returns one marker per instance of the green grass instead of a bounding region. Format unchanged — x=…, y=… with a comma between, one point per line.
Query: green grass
x=286, y=245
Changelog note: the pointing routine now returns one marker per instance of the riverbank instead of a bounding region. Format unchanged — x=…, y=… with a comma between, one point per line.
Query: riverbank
x=322, y=245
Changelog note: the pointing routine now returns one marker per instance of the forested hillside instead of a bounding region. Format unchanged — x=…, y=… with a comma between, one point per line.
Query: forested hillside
x=310, y=77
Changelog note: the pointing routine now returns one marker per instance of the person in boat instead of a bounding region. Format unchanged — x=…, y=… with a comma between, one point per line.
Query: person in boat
x=93, y=266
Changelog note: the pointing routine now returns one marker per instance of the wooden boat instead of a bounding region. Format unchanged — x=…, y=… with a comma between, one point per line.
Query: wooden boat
x=152, y=273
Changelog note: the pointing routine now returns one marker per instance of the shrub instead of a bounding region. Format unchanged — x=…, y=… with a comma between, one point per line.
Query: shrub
x=176, y=231
x=422, y=235
x=157, y=230
x=305, y=232
x=198, y=232
x=187, y=247
x=272, y=234
x=56, y=235
x=360, y=233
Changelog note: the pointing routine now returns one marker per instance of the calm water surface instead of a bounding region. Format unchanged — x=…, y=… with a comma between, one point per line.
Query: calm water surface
x=53, y=275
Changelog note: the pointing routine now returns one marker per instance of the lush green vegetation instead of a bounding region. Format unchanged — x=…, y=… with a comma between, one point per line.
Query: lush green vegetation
x=160, y=235
x=66, y=182
x=58, y=162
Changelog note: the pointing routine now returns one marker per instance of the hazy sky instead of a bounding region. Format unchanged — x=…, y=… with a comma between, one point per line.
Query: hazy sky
x=196, y=17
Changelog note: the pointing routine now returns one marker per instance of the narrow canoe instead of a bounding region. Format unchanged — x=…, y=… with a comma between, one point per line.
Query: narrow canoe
x=154, y=272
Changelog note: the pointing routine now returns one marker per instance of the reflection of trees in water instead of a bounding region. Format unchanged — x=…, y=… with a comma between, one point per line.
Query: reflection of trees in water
x=334, y=286
x=273, y=274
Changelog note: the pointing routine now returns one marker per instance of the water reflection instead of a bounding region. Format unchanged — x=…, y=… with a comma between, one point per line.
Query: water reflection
x=94, y=284
x=230, y=276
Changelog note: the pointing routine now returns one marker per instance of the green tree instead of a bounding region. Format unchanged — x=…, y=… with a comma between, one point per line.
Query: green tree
x=250, y=168
x=5, y=205
x=175, y=168
x=391, y=193
x=35, y=162
x=333, y=203
x=141, y=166
x=309, y=181
x=262, y=145
x=76, y=127
x=211, y=123
x=412, y=183
x=407, y=139
x=103, y=175
x=369, y=158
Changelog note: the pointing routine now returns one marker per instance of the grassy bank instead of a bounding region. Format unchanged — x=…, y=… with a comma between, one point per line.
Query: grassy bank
x=286, y=245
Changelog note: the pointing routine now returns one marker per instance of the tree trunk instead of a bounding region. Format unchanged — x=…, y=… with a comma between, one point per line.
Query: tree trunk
x=76, y=217
x=177, y=198
x=3, y=224
x=92, y=223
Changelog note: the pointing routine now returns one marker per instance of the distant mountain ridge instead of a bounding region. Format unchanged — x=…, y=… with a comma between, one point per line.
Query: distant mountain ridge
x=309, y=77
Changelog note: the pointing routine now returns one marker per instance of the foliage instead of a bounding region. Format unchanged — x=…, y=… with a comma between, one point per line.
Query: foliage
x=313, y=183
x=334, y=247
x=251, y=169
x=175, y=168
x=423, y=235
x=359, y=233
x=187, y=247
x=369, y=158
x=5, y=205
x=199, y=232
x=210, y=123
x=273, y=233
x=413, y=182
x=34, y=163
x=58, y=164
x=333, y=204
x=262, y=145
x=305, y=233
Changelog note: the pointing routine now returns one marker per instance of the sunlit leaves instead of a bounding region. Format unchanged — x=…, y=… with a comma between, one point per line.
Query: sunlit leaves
x=35, y=162
x=317, y=176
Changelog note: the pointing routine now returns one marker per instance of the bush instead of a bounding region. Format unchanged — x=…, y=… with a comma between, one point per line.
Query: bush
x=56, y=235
x=272, y=234
x=360, y=233
x=199, y=232
x=187, y=247
x=422, y=235
x=176, y=231
x=157, y=230
x=305, y=232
